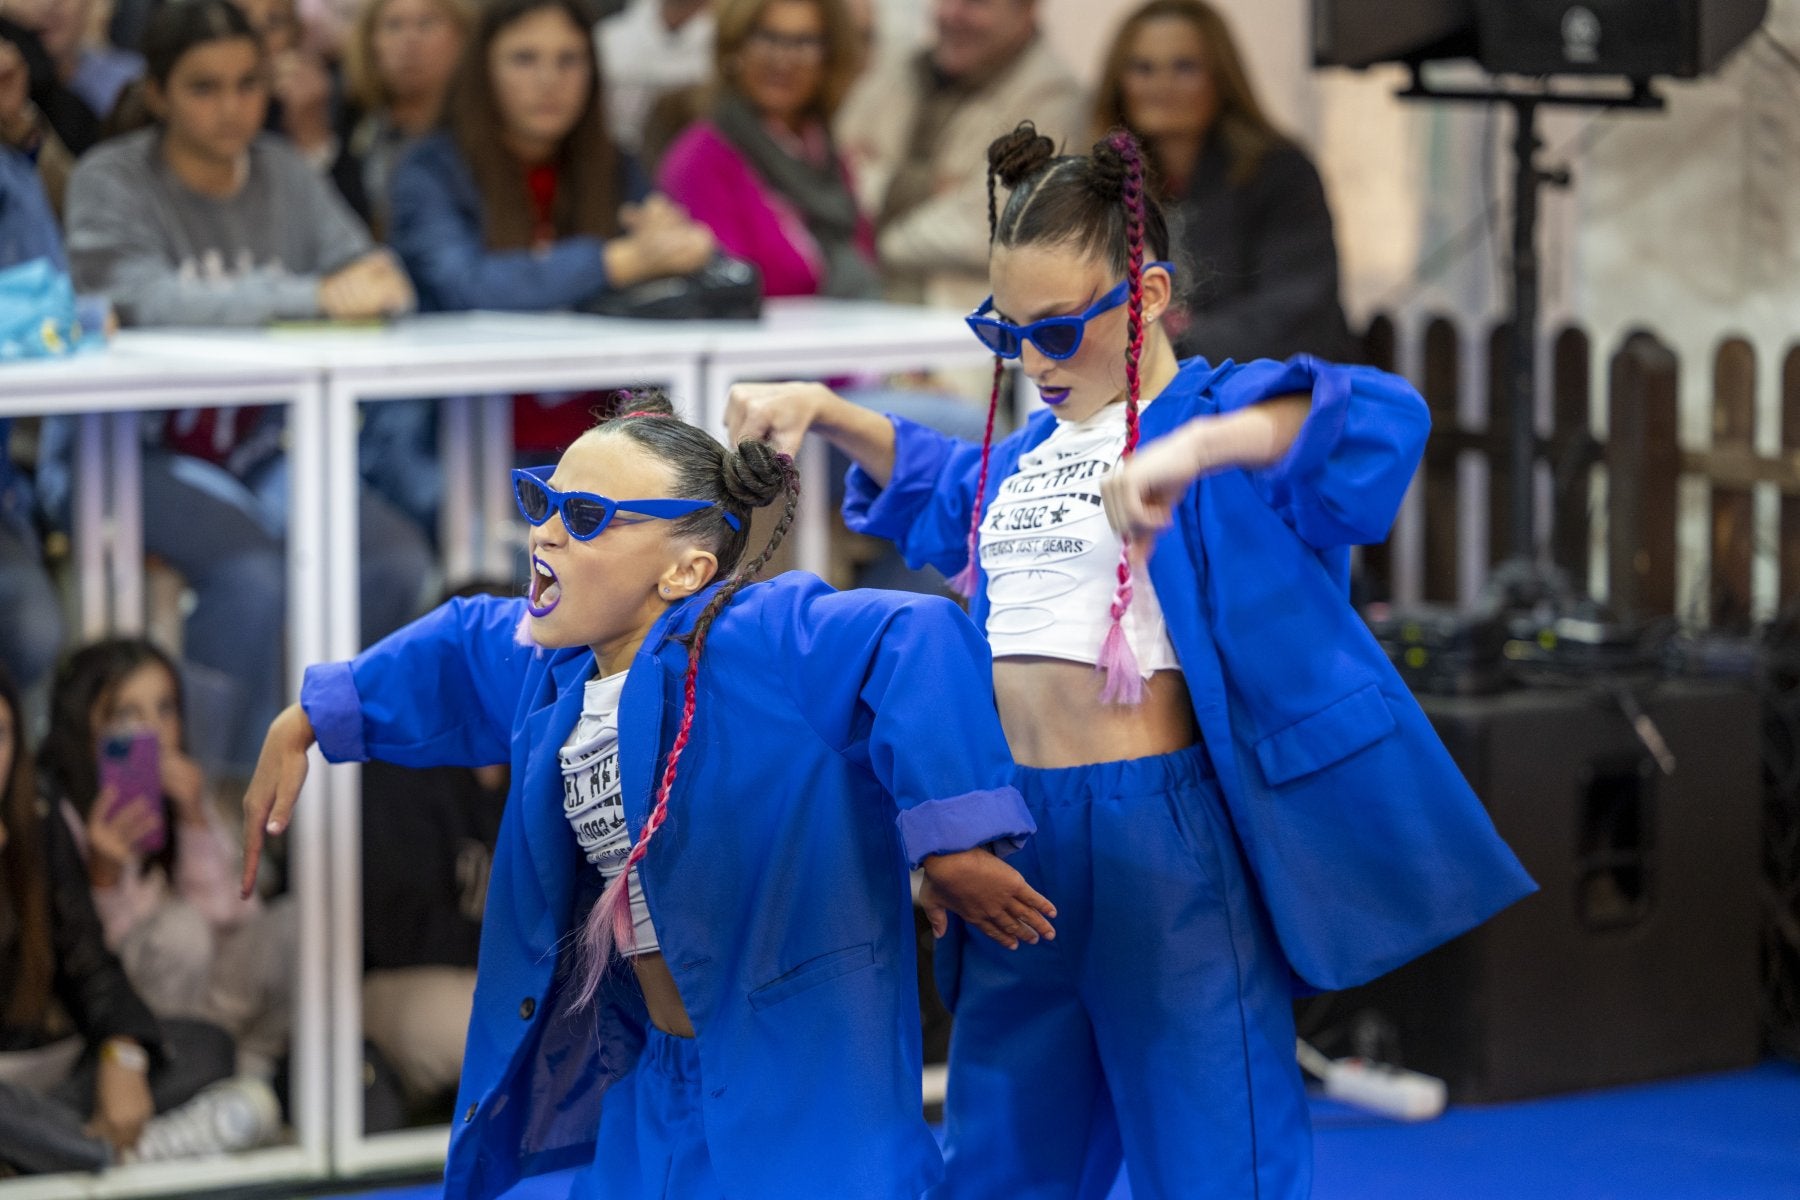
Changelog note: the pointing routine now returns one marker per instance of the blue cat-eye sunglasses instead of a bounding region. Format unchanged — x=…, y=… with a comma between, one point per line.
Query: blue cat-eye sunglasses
x=586, y=515
x=1055, y=337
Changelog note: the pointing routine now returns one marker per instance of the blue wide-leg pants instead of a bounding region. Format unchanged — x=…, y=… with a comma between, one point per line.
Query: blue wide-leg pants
x=1157, y=1027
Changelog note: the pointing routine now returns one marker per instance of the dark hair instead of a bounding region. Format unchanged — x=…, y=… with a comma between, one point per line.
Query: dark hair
x=177, y=28
x=86, y=678
x=587, y=192
x=1244, y=129
x=24, y=883
x=751, y=477
x=1098, y=205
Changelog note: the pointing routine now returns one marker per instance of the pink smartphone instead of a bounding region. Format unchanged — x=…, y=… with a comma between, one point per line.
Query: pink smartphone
x=131, y=765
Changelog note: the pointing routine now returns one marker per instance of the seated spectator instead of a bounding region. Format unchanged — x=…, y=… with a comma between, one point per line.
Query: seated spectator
x=205, y=220
x=86, y=63
x=648, y=50
x=189, y=944
x=428, y=839
x=84, y=1065
x=30, y=613
x=761, y=171
x=915, y=133
x=521, y=201
x=24, y=24
x=1247, y=210
x=24, y=130
x=398, y=63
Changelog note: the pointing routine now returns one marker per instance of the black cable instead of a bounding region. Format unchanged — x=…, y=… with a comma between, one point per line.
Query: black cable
x=1454, y=247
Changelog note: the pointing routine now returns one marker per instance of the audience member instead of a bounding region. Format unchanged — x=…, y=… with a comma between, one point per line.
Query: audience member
x=648, y=50
x=397, y=63
x=165, y=881
x=23, y=127
x=521, y=201
x=84, y=1065
x=86, y=63
x=915, y=133
x=23, y=24
x=30, y=615
x=761, y=170
x=428, y=844
x=304, y=89
x=1248, y=214
x=204, y=220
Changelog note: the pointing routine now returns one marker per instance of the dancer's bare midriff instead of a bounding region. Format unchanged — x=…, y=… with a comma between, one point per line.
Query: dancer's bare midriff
x=661, y=997
x=1053, y=716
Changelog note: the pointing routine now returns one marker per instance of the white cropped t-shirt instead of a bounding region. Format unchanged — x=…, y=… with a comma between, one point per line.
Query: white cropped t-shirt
x=1052, y=559
x=593, y=795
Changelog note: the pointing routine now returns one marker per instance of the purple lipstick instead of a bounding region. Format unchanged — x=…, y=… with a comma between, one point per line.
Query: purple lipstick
x=1053, y=396
x=546, y=592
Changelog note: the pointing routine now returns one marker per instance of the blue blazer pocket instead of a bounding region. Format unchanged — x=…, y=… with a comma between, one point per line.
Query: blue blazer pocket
x=812, y=973
x=1330, y=735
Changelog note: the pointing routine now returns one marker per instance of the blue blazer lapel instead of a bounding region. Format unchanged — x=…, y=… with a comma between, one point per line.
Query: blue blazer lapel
x=640, y=737
x=549, y=840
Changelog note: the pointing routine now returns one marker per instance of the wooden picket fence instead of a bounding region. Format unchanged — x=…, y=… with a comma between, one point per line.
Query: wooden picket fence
x=1622, y=497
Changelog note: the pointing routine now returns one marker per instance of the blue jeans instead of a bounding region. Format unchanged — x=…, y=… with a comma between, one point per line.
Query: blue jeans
x=228, y=543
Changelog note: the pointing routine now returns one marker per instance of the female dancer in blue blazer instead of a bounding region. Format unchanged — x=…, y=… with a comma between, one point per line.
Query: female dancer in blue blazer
x=1245, y=791
x=811, y=745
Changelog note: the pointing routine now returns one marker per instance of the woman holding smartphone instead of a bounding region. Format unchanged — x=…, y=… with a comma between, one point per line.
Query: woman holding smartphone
x=160, y=862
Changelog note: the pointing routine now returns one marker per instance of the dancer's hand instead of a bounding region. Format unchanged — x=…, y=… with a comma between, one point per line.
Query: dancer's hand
x=1140, y=493
x=280, y=770
x=978, y=886
x=778, y=413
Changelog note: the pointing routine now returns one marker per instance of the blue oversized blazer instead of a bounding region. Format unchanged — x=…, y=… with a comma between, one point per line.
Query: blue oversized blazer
x=838, y=738
x=1366, y=843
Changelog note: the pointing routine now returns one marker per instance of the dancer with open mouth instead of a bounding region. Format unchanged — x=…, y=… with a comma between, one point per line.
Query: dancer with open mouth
x=1232, y=785
x=721, y=783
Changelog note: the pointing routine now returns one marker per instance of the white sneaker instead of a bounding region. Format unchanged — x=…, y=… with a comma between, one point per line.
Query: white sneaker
x=237, y=1114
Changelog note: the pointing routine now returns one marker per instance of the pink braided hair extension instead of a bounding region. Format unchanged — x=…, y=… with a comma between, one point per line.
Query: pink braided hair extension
x=1123, y=684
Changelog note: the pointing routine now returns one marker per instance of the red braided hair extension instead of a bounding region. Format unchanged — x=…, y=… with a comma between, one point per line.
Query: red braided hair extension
x=965, y=580
x=1118, y=664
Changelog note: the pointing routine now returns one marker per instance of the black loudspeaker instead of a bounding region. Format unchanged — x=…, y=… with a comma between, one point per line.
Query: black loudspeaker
x=1361, y=33
x=1634, y=38
x=1638, y=958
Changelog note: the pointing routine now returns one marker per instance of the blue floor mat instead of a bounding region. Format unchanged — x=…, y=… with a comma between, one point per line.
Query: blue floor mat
x=1734, y=1136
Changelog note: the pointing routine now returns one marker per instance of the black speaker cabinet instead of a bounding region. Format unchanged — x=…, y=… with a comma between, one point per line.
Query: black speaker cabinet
x=1636, y=38
x=1637, y=959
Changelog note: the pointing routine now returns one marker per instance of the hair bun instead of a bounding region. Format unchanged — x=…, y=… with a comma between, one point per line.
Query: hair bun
x=1115, y=160
x=755, y=475
x=1017, y=156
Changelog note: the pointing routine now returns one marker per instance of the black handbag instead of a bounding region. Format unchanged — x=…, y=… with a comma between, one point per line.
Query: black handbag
x=724, y=289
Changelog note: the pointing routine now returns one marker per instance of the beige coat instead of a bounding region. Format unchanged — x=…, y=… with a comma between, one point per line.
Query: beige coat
x=937, y=254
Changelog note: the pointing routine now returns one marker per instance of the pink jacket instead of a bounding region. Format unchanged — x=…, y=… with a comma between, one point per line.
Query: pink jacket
x=707, y=175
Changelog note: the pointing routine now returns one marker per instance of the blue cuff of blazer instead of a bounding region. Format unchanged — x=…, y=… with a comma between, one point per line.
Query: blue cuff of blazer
x=889, y=512
x=997, y=816
x=334, y=707
x=1324, y=425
